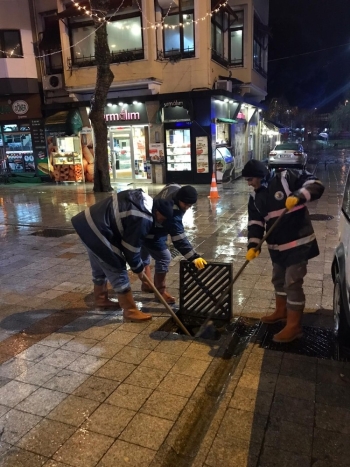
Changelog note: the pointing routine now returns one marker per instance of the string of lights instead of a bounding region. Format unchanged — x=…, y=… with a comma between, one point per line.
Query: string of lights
x=159, y=24
x=104, y=19
x=67, y=48
x=145, y=17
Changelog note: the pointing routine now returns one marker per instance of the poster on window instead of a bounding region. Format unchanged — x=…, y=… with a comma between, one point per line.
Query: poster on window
x=202, y=154
x=156, y=153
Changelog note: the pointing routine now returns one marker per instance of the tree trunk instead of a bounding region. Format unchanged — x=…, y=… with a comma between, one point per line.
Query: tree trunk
x=105, y=77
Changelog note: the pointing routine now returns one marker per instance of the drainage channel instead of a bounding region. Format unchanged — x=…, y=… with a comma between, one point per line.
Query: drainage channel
x=193, y=429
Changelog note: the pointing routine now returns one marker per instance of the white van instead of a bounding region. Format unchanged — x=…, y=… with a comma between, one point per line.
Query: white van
x=341, y=273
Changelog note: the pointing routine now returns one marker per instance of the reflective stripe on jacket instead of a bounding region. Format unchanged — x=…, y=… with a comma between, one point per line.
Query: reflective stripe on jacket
x=157, y=238
x=115, y=227
x=293, y=240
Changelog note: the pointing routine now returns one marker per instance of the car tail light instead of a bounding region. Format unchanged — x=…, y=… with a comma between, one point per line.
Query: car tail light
x=298, y=154
x=273, y=153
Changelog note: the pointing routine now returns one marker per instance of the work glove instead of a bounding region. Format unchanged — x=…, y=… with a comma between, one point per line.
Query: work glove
x=291, y=202
x=252, y=254
x=199, y=263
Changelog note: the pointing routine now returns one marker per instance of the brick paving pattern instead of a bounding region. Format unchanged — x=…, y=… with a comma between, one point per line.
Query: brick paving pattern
x=80, y=388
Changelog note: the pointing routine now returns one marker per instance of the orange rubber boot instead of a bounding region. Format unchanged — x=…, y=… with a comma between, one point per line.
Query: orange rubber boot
x=280, y=313
x=144, y=286
x=101, y=297
x=130, y=310
x=292, y=329
x=159, y=282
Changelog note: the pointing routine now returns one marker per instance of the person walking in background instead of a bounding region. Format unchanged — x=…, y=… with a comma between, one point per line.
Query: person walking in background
x=155, y=244
x=291, y=244
x=112, y=231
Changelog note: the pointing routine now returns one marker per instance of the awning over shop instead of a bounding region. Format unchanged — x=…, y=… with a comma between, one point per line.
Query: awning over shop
x=51, y=36
x=67, y=121
x=270, y=126
x=224, y=120
x=71, y=11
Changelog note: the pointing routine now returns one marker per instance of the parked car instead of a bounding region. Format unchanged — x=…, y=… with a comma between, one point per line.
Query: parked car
x=288, y=155
x=341, y=273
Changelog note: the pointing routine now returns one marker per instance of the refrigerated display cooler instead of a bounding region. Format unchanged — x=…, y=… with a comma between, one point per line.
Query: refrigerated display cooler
x=178, y=153
x=225, y=165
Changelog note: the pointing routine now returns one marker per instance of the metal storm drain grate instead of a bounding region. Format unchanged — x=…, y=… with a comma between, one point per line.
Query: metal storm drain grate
x=49, y=233
x=321, y=217
x=174, y=253
x=316, y=342
x=201, y=289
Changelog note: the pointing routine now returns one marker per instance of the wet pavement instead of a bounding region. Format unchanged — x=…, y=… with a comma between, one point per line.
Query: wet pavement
x=80, y=388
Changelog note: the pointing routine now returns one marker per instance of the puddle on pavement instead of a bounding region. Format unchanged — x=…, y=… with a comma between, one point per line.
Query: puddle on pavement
x=53, y=233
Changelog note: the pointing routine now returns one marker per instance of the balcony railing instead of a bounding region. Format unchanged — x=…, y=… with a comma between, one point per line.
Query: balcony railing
x=224, y=61
x=116, y=57
x=175, y=55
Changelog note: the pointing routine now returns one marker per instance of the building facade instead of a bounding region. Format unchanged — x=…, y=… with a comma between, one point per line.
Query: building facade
x=189, y=76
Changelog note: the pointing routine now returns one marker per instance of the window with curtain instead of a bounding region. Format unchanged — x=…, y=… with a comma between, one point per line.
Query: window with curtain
x=260, y=47
x=227, y=37
x=10, y=44
x=178, y=30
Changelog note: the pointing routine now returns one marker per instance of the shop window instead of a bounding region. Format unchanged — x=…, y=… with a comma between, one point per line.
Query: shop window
x=125, y=38
x=260, y=47
x=178, y=29
x=10, y=44
x=227, y=37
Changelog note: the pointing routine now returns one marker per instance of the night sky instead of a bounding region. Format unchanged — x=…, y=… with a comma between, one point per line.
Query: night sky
x=297, y=27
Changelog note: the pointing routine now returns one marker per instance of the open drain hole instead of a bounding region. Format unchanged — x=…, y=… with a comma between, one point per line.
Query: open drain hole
x=53, y=233
x=243, y=328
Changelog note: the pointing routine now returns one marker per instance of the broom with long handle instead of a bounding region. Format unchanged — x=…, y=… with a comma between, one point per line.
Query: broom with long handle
x=159, y=296
x=205, y=329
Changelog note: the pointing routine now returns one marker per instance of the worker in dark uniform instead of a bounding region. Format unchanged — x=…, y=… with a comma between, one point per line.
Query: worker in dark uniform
x=112, y=231
x=155, y=245
x=291, y=244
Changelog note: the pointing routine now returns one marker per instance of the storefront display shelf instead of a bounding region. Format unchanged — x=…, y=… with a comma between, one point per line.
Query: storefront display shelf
x=68, y=168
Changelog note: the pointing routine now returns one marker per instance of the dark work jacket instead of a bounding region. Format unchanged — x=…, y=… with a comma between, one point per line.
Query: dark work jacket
x=115, y=227
x=158, y=236
x=293, y=241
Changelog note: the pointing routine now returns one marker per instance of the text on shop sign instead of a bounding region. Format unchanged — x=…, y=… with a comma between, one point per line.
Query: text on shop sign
x=124, y=115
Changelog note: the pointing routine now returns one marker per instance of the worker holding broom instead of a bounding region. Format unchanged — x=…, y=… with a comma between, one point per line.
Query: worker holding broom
x=155, y=245
x=291, y=244
x=112, y=231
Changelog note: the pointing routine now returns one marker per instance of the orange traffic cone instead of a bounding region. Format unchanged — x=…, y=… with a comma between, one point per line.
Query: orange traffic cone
x=213, y=189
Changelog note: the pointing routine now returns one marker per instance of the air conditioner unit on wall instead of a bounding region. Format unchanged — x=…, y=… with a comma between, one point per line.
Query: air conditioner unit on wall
x=224, y=85
x=52, y=82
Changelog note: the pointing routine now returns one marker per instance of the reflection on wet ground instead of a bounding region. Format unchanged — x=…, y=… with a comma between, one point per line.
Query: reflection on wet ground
x=79, y=387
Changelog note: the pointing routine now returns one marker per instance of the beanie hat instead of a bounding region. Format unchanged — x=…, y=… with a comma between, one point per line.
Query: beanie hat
x=187, y=194
x=254, y=168
x=166, y=208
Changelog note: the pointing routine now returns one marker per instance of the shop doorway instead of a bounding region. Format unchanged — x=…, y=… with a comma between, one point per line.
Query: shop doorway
x=127, y=154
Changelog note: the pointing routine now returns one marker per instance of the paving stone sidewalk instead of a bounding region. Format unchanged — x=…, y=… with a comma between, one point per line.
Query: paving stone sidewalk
x=80, y=388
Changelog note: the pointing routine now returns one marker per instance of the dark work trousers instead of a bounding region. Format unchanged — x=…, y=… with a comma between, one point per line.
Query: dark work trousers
x=289, y=282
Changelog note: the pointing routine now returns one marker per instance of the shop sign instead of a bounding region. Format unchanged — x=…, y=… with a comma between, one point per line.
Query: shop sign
x=175, y=103
x=202, y=154
x=123, y=116
x=20, y=107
